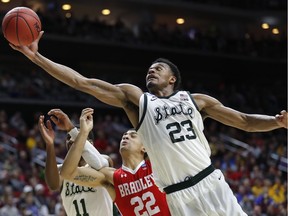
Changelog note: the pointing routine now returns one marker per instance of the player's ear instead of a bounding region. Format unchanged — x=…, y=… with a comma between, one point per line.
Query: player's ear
x=143, y=150
x=172, y=80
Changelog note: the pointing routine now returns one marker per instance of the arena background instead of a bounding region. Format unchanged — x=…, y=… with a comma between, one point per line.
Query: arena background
x=221, y=50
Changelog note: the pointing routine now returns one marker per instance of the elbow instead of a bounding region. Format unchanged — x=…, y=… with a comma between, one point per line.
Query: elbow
x=65, y=175
x=249, y=124
x=245, y=127
x=80, y=84
x=53, y=187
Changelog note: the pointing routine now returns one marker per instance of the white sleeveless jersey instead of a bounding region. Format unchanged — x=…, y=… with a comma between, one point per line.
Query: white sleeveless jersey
x=171, y=129
x=85, y=201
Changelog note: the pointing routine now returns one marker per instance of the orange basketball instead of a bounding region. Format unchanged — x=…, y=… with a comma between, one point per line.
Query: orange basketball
x=21, y=26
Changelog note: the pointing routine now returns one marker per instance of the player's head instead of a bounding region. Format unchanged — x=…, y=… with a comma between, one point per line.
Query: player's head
x=161, y=74
x=69, y=141
x=131, y=144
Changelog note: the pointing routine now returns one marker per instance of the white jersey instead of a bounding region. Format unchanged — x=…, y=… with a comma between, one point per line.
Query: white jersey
x=171, y=129
x=80, y=200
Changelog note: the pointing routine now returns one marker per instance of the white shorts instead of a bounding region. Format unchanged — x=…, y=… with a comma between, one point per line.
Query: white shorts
x=212, y=196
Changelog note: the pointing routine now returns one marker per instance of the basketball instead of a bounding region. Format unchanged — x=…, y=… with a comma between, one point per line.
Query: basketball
x=21, y=26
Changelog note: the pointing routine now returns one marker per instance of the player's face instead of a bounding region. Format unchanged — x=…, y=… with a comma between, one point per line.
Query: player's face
x=158, y=77
x=130, y=141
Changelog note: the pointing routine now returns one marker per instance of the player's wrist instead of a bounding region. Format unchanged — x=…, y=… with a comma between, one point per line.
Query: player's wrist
x=84, y=132
x=70, y=127
x=73, y=133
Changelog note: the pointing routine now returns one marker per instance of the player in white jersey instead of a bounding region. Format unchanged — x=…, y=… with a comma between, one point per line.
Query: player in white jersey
x=203, y=190
x=131, y=187
x=176, y=116
x=186, y=157
x=77, y=200
x=82, y=200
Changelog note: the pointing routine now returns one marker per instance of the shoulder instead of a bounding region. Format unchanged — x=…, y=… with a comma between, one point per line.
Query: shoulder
x=118, y=171
x=203, y=100
x=132, y=95
x=130, y=89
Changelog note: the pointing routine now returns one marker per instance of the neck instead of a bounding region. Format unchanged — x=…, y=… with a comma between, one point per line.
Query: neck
x=132, y=161
x=163, y=92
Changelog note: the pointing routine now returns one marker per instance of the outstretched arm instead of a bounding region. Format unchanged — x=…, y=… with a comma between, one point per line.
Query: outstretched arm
x=81, y=175
x=210, y=107
x=52, y=176
x=108, y=93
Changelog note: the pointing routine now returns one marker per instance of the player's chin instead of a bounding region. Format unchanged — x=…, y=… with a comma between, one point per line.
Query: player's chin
x=150, y=85
x=123, y=149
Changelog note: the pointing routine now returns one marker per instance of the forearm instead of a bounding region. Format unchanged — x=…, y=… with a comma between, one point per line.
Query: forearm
x=90, y=154
x=51, y=170
x=261, y=123
x=93, y=157
x=58, y=71
x=73, y=156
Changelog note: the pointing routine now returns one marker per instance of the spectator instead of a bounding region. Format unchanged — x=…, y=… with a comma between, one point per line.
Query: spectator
x=9, y=207
x=27, y=202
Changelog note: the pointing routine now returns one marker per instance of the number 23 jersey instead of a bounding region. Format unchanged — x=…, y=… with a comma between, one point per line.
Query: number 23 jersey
x=171, y=129
x=136, y=192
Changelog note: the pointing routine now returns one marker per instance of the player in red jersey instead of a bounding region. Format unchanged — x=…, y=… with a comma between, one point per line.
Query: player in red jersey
x=131, y=187
x=135, y=190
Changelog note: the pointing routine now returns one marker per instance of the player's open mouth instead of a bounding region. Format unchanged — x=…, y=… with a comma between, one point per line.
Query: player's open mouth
x=123, y=143
x=150, y=77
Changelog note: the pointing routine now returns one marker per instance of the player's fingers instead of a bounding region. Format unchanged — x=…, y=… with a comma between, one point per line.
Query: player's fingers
x=13, y=46
x=40, y=121
x=40, y=35
x=53, y=111
x=88, y=110
x=89, y=116
x=49, y=125
x=57, y=115
x=54, y=119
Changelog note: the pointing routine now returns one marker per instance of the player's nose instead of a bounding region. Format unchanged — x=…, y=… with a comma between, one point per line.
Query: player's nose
x=151, y=71
x=125, y=137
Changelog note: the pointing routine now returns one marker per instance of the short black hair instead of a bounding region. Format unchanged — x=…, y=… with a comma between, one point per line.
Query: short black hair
x=175, y=71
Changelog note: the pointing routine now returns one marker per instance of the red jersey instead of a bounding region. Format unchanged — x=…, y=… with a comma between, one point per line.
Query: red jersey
x=136, y=192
